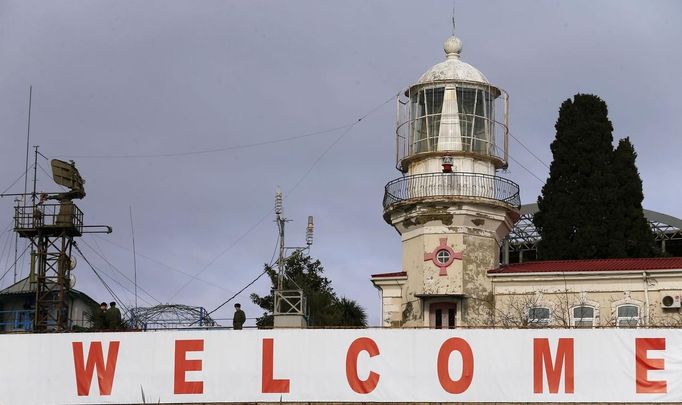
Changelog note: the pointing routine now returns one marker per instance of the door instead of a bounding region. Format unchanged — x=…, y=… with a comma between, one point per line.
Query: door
x=442, y=315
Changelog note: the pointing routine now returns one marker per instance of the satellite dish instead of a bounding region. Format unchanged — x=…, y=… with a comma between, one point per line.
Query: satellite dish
x=72, y=281
x=72, y=263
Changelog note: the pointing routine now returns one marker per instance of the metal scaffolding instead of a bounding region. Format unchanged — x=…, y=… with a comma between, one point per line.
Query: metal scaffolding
x=170, y=316
x=521, y=243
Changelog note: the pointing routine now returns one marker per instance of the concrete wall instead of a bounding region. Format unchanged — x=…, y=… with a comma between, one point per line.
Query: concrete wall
x=604, y=291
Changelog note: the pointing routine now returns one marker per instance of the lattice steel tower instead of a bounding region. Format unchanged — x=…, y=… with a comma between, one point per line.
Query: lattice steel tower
x=51, y=228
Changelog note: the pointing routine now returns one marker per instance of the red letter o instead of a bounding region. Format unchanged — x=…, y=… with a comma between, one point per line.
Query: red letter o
x=448, y=384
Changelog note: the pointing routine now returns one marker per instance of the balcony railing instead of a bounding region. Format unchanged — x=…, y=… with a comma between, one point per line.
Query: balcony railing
x=465, y=185
x=28, y=219
x=16, y=320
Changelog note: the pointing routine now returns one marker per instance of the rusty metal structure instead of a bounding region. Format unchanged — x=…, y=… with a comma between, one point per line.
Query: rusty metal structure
x=521, y=244
x=170, y=316
x=51, y=228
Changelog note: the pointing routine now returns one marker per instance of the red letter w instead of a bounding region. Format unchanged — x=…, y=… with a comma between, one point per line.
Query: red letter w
x=105, y=371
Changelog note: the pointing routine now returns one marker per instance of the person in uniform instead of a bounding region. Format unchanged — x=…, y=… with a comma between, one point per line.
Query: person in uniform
x=239, y=317
x=113, y=317
x=99, y=317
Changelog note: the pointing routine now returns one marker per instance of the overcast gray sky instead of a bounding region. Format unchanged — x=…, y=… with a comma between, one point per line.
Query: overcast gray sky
x=130, y=78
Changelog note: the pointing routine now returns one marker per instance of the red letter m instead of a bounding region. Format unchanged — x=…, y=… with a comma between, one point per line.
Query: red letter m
x=105, y=371
x=542, y=355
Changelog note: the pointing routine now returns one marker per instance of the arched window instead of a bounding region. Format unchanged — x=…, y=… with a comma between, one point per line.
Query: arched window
x=627, y=316
x=583, y=316
x=538, y=317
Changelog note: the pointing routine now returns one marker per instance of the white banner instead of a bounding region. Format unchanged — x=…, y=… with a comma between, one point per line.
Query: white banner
x=372, y=365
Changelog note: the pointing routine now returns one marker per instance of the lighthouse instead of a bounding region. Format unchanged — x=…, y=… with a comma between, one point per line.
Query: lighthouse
x=449, y=206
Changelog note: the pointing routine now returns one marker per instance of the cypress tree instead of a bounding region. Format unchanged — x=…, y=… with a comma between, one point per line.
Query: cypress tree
x=637, y=238
x=575, y=217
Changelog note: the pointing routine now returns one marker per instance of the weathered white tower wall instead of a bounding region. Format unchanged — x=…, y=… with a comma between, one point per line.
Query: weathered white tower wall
x=450, y=208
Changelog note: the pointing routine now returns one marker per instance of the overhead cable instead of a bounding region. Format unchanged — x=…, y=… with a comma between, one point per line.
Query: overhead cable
x=269, y=212
x=106, y=286
x=205, y=151
x=153, y=260
x=15, y=262
x=119, y=271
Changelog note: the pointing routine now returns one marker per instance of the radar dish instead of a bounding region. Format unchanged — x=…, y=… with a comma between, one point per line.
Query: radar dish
x=65, y=174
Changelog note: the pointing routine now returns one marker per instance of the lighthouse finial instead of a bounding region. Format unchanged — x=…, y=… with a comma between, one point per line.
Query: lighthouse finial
x=453, y=18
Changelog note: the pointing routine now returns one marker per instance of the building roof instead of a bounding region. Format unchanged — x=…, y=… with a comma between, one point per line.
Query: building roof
x=593, y=265
x=389, y=275
x=24, y=286
x=20, y=287
x=452, y=68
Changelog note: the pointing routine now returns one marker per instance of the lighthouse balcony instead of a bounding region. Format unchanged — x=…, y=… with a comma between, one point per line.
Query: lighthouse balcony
x=452, y=186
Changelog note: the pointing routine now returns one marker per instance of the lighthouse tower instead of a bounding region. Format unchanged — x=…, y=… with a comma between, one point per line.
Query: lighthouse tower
x=450, y=208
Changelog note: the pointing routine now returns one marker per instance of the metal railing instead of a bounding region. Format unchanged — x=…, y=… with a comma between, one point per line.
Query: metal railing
x=16, y=320
x=290, y=302
x=467, y=185
x=63, y=215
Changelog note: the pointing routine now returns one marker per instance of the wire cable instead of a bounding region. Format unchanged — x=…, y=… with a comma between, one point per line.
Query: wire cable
x=206, y=151
x=529, y=151
x=227, y=249
x=113, y=294
x=238, y=292
x=15, y=182
x=526, y=169
x=272, y=261
x=319, y=158
x=15, y=262
x=119, y=271
x=153, y=260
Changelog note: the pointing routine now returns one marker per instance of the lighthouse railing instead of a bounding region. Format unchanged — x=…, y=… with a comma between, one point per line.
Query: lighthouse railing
x=444, y=185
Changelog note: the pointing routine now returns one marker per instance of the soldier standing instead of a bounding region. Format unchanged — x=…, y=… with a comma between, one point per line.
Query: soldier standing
x=113, y=317
x=239, y=317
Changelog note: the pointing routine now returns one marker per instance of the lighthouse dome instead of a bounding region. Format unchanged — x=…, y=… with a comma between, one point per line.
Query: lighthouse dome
x=452, y=68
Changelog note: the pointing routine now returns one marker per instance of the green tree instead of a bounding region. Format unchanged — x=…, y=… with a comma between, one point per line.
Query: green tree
x=575, y=217
x=637, y=238
x=349, y=313
x=324, y=307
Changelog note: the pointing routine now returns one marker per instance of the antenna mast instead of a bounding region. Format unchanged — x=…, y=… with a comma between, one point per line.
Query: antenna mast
x=281, y=221
x=290, y=304
x=132, y=231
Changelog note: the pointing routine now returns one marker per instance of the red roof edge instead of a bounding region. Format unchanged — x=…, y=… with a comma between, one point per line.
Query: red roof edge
x=592, y=265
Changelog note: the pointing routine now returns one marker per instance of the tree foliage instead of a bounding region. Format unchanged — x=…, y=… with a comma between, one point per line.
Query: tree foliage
x=638, y=240
x=592, y=198
x=325, y=308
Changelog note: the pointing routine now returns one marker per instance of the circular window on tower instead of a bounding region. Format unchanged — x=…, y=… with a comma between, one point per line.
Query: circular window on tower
x=443, y=256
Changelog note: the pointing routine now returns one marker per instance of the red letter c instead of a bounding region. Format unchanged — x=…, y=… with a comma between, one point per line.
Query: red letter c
x=358, y=385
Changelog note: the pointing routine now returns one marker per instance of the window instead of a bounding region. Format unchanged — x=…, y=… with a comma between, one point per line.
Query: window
x=427, y=106
x=627, y=316
x=442, y=256
x=538, y=317
x=583, y=316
